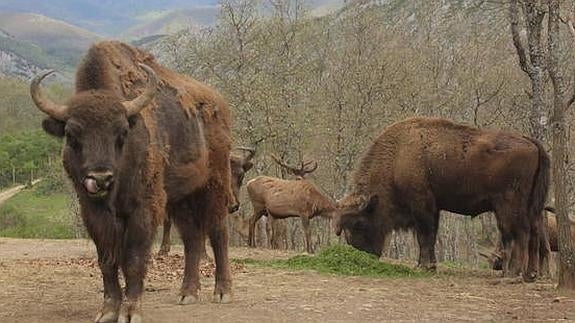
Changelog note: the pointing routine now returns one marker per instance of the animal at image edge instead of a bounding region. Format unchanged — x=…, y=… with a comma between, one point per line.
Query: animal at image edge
x=142, y=141
x=419, y=166
x=495, y=259
x=280, y=199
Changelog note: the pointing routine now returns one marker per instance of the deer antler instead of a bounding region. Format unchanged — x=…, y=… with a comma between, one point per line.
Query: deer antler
x=302, y=171
x=251, y=152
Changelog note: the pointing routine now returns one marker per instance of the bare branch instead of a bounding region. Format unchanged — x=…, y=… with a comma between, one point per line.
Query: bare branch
x=514, y=22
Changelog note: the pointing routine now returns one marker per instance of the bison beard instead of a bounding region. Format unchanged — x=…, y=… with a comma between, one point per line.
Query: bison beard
x=419, y=166
x=140, y=141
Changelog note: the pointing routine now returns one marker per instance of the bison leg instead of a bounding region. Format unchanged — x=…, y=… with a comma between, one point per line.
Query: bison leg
x=307, y=234
x=193, y=238
x=165, y=247
x=426, y=236
x=112, y=291
x=535, y=240
x=219, y=240
x=137, y=245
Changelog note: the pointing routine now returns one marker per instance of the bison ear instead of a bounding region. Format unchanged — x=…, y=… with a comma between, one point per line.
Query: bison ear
x=53, y=127
x=371, y=204
x=247, y=166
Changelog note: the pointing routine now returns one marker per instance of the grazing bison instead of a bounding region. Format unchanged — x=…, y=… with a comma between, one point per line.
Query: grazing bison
x=282, y=199
x=419, y=166
x=140, y=141
x=495, y=259
x=240, y=164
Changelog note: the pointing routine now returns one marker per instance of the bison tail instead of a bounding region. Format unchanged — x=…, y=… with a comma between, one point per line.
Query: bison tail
x=540, y=182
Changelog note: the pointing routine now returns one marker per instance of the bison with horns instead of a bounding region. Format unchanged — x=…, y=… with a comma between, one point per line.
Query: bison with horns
x=142, y=141
x=419, y=166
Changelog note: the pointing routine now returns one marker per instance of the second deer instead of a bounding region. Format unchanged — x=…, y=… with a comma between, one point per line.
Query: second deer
x=280, y=199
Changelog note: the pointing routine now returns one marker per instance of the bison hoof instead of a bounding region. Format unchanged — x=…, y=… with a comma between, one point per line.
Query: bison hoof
x=111, y=316
x=133, y=318
x=109, y=311
x=130, y=312
x=188, y=299
x=222, y=298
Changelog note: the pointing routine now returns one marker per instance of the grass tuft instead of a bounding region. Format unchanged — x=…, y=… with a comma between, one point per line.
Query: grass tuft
x=342, y=260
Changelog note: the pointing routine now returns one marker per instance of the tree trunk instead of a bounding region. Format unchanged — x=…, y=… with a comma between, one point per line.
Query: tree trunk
x=559, y=126
x=531, y=61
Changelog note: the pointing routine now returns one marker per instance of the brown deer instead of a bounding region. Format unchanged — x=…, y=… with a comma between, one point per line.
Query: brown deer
x=282, y=199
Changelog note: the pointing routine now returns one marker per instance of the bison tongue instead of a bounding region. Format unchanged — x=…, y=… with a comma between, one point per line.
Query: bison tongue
x=91, y=185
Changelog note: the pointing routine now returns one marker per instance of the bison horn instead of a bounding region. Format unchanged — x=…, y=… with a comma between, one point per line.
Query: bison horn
x=136, y=105
x=54, y=110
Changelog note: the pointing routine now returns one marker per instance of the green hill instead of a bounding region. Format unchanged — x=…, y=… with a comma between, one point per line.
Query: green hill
x=34, y=35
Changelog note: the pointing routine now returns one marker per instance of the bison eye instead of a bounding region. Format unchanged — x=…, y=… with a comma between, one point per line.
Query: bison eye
x=120, y=140
x=73, y=143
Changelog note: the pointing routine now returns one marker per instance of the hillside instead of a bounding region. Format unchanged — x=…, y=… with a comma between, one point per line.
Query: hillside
x=171, y=21
x=20, y=59
x=58, y=39
x=106, y=17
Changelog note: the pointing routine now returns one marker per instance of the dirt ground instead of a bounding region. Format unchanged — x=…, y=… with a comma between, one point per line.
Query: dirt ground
x=58, y=281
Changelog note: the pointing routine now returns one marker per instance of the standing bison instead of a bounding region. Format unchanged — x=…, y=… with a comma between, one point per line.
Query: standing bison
x=140, y=141
x=419, y=166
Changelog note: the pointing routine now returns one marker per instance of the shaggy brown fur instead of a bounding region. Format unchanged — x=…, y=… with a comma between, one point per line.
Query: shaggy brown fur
x=173, y=156
x=282, y=199
x=240, y=164
x=420, y=166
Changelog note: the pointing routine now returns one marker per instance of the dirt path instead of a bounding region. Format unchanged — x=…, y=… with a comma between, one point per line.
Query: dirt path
x=57, y=281
x=7, y=194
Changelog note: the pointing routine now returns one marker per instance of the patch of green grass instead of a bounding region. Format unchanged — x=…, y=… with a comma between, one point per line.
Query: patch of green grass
x=342, y=260
x=32, y=215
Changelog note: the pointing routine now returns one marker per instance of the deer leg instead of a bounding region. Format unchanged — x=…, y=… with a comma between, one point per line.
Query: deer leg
x=307, y=234
x=165, y=247
x=252, y=231
x=204, y=252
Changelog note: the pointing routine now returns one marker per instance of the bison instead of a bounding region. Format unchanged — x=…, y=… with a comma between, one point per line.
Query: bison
x=282, y=199
x=240, y=164
x=142, y=141
x=419, y=166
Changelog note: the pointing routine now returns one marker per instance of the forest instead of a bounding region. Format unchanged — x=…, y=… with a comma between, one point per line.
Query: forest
x=319, y=88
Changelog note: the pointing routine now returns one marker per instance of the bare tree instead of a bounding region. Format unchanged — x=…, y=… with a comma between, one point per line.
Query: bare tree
x=532, y=59
x=559, y=126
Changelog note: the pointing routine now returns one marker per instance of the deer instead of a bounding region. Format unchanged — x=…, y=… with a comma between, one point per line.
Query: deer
x=280, y=199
